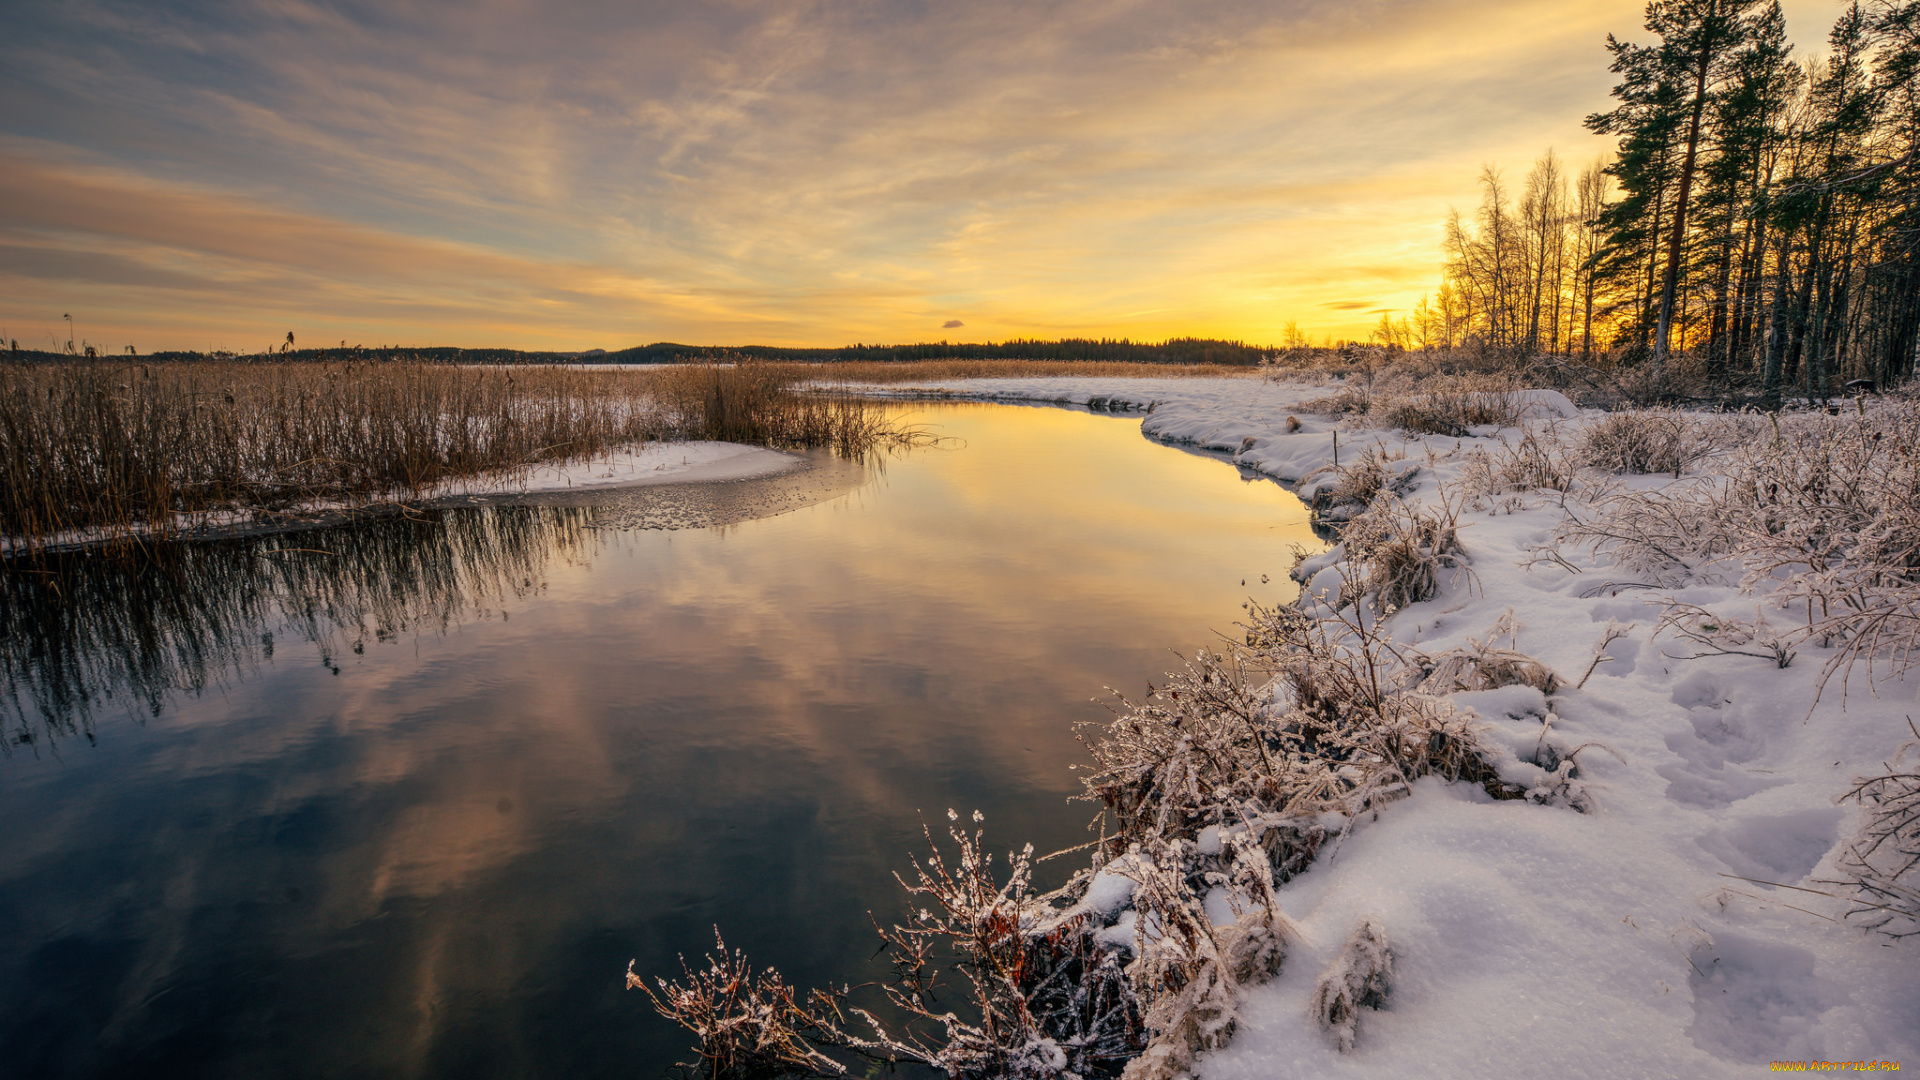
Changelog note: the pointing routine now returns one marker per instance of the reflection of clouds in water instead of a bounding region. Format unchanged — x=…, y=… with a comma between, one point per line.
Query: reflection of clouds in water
x=733, y=725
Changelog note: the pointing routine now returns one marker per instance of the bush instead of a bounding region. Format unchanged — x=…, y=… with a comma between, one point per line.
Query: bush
x=1357, y=979
x=749, y=1025
x=1817, y=514
x=1537, y=462
x=1450, y=412
x=1396, y=553
x=1342, y=492
x=1882, y=861
x=1645, y=441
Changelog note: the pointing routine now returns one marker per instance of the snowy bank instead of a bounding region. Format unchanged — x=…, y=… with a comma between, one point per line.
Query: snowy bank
x=649, y=463
x=639, y=465
x=1684, y=915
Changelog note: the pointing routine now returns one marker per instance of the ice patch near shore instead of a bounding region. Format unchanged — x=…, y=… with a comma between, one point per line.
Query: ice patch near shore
x=650, y=463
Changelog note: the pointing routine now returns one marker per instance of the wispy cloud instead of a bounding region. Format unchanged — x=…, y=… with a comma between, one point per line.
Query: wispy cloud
x=597, y=174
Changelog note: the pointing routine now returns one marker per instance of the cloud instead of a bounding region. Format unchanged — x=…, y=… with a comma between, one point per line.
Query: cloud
x=952, y=324
x=1349, y=305
x=795, y=174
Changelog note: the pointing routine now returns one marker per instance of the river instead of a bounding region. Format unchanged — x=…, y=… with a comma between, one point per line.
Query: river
x=403, y=799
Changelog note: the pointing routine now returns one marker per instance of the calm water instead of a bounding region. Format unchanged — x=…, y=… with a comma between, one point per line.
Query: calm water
x=407, y=807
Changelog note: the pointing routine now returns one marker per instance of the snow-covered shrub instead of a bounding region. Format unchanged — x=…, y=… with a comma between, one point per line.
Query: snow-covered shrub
x=1051, y=999
x=1191, y=964
x=1484, y=665
x=1396, y=552
x=1673, y=537
x=1351, y=398
x=749, y=1025
x=1679, y=378
x=1309, y=724
x=1455, y=412
x=1450, y=411
x=1829, y=515
x=1537, y=462
x=1359, y=978
x=1817, y=514
x=1049, y=994
x=1724, y=635
x=1339, y=493
x=1882, y=861
x=1646, y=441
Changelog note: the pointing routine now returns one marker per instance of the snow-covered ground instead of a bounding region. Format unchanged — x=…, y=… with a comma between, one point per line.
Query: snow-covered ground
x=639, y=465
x=650, y=463
x=1684, y=927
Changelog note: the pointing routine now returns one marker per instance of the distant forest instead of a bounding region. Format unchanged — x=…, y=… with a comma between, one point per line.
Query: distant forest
x=1760, y=218
x=1174, y=351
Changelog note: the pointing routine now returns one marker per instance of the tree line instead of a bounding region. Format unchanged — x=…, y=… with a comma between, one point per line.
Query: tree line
x=1172, y=351
x=1759, y=219
x=1184, y=350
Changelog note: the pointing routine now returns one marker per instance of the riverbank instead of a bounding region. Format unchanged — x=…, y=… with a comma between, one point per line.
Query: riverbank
x=1686, y=888
x=699, y=463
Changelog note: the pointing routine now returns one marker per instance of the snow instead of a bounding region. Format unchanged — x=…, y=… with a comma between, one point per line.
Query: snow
x=639, y=465
x=1667, y=932
x=648, y=463
x=1111, y=888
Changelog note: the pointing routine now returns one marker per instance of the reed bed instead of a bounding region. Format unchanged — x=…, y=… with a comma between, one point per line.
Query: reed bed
x=761, y=404
x=116, y=450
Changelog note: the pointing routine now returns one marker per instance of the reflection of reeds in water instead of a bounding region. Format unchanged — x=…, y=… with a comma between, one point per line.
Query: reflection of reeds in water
x=78, y=632
x=117, y=450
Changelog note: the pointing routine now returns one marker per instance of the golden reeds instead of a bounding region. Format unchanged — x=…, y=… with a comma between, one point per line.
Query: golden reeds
x=118, y=449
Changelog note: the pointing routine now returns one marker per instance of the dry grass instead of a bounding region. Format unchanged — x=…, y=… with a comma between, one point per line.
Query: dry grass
x=1538, y=462
x=1396, y=553
x=1882, y=861
x=1816, y=515
x=760, y=404
x=1449, y=411
x=1646, y=441
x=1484, y=664
x=119, y=449
x=1358, y=978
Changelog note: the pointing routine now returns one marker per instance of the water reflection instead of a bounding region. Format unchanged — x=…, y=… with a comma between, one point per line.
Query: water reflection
x=78, y=632
x=433, y=855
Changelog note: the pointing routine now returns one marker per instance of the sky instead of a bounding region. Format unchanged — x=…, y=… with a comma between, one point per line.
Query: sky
x=191, y=174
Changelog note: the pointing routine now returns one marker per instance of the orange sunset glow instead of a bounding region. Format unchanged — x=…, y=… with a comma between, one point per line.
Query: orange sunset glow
x=199, y=175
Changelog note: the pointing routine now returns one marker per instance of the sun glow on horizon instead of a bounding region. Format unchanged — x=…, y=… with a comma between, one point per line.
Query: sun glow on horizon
x=604, y=176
